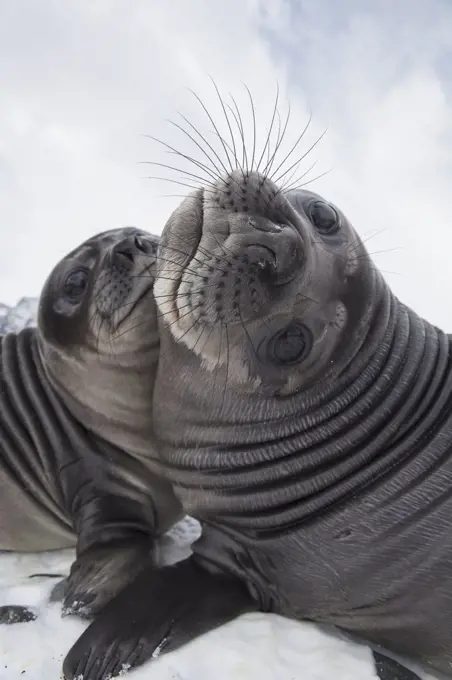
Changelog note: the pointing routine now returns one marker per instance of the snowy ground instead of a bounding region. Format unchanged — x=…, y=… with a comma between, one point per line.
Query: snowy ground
x=254, y=647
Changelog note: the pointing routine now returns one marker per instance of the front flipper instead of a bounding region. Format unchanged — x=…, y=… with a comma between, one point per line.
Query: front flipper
x=115, y=538
x=162, y=610
x=101, y=573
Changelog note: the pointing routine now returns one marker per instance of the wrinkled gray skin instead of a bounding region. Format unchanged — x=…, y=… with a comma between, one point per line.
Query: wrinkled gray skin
x=76, y=441
x=314, y=436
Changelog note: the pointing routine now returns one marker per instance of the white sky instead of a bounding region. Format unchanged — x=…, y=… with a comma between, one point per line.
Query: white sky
x=82, y=81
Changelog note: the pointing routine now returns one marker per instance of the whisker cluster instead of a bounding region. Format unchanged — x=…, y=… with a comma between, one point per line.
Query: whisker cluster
x=232, y=153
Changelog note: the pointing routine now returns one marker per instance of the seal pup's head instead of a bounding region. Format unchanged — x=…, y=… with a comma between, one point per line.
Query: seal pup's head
x=98, y=334
x=289, y=366
x=273, y=288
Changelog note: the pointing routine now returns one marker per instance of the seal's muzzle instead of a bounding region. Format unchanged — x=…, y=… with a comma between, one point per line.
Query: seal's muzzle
x=131, y=248
x=249, y=249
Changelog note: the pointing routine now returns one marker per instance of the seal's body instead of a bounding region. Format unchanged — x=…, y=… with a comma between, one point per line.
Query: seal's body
x=76, y=443
x=314, y=437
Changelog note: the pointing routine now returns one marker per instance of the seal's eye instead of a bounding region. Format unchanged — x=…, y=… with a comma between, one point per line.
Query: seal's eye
x=291, y=345
x=75, y=285
x=324, y=217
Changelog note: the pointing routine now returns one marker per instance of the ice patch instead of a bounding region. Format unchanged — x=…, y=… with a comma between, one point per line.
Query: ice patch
x=253, y=647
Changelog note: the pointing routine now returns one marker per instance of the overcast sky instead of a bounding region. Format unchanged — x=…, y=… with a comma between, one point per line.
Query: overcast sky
x=83, y=81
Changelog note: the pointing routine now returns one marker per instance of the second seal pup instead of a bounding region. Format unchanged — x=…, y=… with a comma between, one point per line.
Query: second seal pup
x=76, y=439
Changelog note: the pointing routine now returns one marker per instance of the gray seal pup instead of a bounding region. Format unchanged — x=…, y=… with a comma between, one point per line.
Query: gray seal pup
x=76, y=440
x=313, y=439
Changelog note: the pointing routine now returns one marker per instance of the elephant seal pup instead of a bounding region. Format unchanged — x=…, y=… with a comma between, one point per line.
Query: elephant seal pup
x=314, y=436
x=75, y=420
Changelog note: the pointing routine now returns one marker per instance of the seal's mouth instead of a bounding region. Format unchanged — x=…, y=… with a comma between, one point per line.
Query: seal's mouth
x=144, y=282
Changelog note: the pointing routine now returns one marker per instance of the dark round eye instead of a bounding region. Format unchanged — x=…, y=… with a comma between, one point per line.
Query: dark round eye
x=75, y=285
x=324, y=217
x=291, y=345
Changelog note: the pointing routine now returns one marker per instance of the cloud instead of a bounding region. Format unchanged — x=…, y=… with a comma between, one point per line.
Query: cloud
x=80, y=83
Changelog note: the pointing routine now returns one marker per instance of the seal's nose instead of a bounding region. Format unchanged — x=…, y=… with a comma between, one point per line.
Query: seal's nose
x=131, y=247
x=139, y=244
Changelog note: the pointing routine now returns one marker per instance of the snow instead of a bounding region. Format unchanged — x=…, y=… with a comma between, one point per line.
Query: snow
x=253, y=647
x=22, y=315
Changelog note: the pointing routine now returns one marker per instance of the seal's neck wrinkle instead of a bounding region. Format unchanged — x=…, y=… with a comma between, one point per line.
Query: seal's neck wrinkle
x=107, y=393
x=324, y=446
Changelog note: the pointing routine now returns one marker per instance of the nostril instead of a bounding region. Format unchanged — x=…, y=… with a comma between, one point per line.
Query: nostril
x=139, y=244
